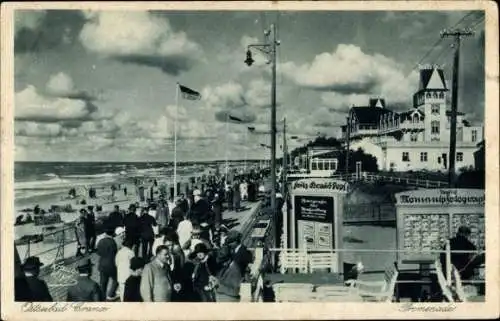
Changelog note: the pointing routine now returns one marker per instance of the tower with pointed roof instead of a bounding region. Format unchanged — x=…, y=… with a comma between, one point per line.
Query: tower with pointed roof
x=431, y=100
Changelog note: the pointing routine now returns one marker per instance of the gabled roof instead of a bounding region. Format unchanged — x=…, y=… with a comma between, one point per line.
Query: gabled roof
x=369, y=115
x=377, y=102
x=404, y=115
x=432, y=79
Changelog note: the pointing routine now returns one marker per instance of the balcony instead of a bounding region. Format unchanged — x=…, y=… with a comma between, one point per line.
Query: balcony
x=412, y=126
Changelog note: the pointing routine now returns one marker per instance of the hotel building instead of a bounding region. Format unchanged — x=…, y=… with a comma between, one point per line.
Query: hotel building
x=418, y=138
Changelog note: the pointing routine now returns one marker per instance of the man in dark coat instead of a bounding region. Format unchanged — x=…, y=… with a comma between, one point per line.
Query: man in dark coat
x=115, y=218
x=147, y=234
x=131, y=222
x=464, y=262
x=200, y=211
x=86, y=289
x=90, y=232
x=107, y=249
x=38, y=288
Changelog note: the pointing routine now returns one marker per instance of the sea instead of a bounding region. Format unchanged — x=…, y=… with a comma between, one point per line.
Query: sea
x=39, y=182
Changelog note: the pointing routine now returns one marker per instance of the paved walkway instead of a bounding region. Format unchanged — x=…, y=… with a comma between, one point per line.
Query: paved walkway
x=58, y=282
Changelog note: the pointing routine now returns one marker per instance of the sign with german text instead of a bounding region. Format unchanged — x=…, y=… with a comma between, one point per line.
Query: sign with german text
x=447, y=197
x=320, y=184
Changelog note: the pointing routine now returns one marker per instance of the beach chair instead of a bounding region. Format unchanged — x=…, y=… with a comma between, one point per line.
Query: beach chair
x=379, y=291
x=293, y=259
x=445, y=288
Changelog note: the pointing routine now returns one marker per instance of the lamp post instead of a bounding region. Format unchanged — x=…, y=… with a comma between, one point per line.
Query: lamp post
x=270, y=50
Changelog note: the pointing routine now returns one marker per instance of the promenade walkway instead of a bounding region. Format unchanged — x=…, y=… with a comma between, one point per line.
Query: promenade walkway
x=59, y=282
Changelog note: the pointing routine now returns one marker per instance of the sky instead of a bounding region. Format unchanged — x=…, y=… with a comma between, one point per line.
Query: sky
x=101, y=85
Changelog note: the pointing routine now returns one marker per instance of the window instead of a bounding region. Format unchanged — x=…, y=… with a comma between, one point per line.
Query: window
x=435, y=139
x=428, y=95
x=435, y=127
x=474, y=135
x=406, y=157
x=314, y=166
x=460, y=157
x=423, y=157
x=415, y=118
x=320, y=165
x=435, y=95
x=414, y=137
x=435, y=108
x=441, y=94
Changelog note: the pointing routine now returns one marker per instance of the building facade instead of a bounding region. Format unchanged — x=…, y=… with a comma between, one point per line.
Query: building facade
x=418, y=138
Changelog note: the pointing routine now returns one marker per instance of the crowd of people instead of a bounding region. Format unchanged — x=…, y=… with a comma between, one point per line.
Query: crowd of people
x=180, y=252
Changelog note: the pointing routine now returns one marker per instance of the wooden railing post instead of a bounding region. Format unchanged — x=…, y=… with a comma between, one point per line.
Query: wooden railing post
x=448, y=263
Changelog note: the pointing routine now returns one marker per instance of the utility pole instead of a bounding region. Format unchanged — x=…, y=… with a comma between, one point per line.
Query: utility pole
x=457, y=34
x=285, y=160
x=347, y=142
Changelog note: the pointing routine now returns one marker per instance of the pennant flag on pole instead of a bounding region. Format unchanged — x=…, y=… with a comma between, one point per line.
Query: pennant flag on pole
x=234, y=118
x=189, y=94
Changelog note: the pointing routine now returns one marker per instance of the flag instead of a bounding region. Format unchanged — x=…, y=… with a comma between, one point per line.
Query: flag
x=235, y=118
x=189, y=94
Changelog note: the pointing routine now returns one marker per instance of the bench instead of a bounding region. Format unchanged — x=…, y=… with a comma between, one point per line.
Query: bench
x=322, y=261
x=293, y=259
x=379, y=291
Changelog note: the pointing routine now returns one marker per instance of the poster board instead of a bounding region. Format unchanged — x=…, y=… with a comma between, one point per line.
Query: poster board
x=314, y=220
x=427, y=218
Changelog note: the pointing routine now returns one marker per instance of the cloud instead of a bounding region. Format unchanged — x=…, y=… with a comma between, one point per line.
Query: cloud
x=61, y=85
x=28, y=19
x=141, y=38
x=34, y=129
x=40, y=30
x=350, y=76
x=32, y=106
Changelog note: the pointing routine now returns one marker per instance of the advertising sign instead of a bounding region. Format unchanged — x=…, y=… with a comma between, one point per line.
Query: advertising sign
x=314, y=218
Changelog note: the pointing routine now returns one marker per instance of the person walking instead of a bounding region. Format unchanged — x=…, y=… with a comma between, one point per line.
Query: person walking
x=147, y=235
x=162, y=215
x=203, y=280
x=90, y=232
x=132, y=231
x=37, y=288
x=122, y=261
x=115, y=218
x=177, y=215
x=107, y=250
x=85, y=289
x=233, y=260
x=156, y=281
x=132, y=287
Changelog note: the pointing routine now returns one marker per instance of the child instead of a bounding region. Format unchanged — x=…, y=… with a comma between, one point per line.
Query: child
x=132, y=291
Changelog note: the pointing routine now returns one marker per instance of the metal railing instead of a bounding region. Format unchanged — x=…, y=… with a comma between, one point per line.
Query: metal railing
x=369, y=177
x=264, y=255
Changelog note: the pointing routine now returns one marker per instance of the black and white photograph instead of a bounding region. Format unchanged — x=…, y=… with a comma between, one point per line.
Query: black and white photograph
x=229, y=155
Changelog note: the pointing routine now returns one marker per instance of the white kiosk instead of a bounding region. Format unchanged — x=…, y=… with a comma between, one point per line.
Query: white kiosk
x=427, y=218
x=316, y=214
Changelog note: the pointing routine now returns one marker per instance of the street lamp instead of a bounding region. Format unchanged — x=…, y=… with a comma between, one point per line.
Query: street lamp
x=270, y=50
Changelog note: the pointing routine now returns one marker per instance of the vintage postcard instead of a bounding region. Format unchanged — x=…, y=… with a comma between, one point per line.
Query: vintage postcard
x=249, y=160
